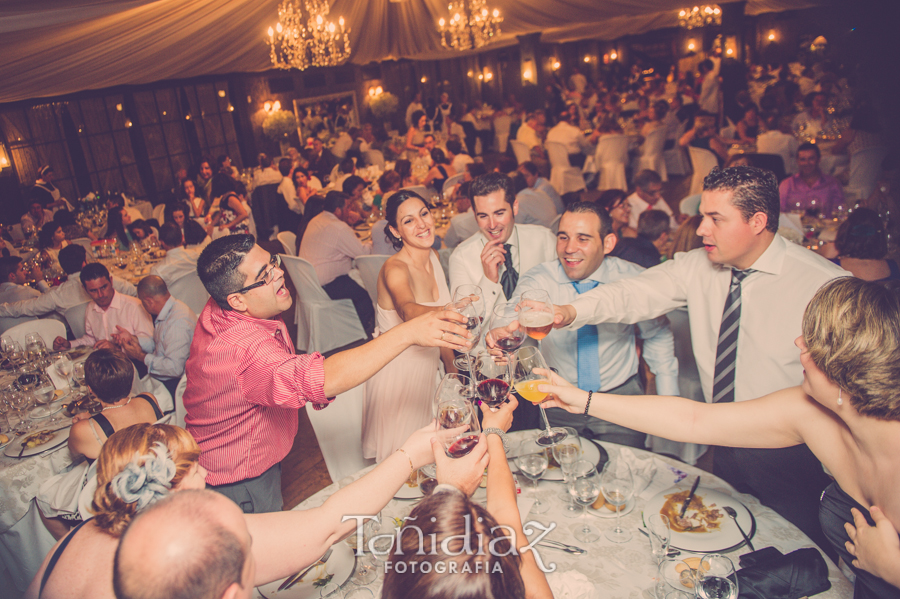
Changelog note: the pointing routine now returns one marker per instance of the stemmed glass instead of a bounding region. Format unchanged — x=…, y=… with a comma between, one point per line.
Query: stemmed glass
x=34, y=345
x=64, y=367
x=78, y=373
x=533, y=466
x=453, y=386
x=21, y=402
x=503, y=329
x=660, y=533
x=567, y=454
x=4, y=411
x=536, y=314
x=526, y=381
x=469, y=294
x=43, y=394
x=716, y=578
x=491, y=378
x=473, y=323
x=458, y=428
x=617, y=485
x=365, y=563
x=585, y=489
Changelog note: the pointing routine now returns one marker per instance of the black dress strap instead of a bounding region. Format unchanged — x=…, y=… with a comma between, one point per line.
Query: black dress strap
x=149, y=399
x=105, y=426
x=56, y=555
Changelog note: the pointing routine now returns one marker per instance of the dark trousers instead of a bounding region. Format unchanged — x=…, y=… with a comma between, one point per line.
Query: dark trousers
x=788, y=480
x=257, y=495
x=344, y=287
x=170, y=385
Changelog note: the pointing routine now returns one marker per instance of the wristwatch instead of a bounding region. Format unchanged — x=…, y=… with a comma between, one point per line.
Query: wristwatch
x=503, y=437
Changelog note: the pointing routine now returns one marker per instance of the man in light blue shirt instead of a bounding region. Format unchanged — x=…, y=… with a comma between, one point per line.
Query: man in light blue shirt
x=173, y=331
x=598, y=357
x=534, y=180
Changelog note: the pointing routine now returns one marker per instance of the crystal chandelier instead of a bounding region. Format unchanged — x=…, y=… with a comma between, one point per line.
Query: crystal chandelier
x=700, y=16
x=317, y=42
x=472, y=24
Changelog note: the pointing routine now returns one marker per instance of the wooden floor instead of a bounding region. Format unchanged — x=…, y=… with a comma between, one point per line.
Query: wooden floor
x=303, y=471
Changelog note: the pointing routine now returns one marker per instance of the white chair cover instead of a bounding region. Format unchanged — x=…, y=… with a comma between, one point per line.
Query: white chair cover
x=86, y=244
x=554, y=226
x=48, y=328
x=501, y=132
x=523, y=154
x=651, y=154
x=180, y=412
x=16, y=233
x=690, y=205
x=323, y=324
x=12, y=321
x=251, y=222
x=159, y=213
x=564, y=177
x=728, y=132
x=702, y=161
x=338, y=430
x=75, y=317
x=369, y=267
x=452, y=181
x=23, y=548
x=191, y=291
x=288, y=241
x=784, y=146
x=155, y=387
x=374, y=157
x=677, y=162
x=610, y=158
x=444, y=257
x=865, y=168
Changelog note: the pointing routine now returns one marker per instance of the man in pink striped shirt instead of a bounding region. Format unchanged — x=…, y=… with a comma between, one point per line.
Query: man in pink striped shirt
x=245, y=382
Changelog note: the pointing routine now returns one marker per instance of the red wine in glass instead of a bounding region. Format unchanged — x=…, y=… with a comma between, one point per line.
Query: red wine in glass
x=493, y=392
x=473, y=322
x=462, y=446
x=510, y=344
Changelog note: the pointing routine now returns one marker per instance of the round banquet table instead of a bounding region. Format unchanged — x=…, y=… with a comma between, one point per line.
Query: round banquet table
x=617, y=570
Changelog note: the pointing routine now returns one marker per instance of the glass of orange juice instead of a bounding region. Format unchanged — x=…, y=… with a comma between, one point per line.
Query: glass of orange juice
x=526, y=383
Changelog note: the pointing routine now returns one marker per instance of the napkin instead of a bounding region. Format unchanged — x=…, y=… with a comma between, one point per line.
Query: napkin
x=58, y=380
x=798, y=574
x=643, y=470
x=570, y=585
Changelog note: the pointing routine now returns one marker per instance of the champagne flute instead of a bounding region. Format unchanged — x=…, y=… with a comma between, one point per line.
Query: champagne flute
x=716, y=578
x=567, y=454
x=585, y=489
x=473, y=324
x=491, y=378
x=526, y=361
x=536, y=314
x=503, y=328
x=458, y=428
x=533, y=466
x=617, y=485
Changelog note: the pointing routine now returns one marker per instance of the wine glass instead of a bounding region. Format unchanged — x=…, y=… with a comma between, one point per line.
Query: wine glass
x=716, y=578
x=536, y=314
x=458, y=428
x=617, y=485
x=473, y=324
x=453, y=386
x=78, y=373
x=659, y=533
x=585, y=489
x=473, y=295
x=491, y=378
x=64, y=367
x=533, y=466
x=503, y=329
x=526, y=381
x=331, y=590
x=365, y=563
x=567, y=454
x=43, y=394
x=21, y=403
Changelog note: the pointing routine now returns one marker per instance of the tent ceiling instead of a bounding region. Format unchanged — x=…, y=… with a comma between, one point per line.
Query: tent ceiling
x=55, y=47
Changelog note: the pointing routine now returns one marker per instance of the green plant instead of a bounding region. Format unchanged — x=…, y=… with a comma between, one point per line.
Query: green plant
x=279, y=125
x=383, y=105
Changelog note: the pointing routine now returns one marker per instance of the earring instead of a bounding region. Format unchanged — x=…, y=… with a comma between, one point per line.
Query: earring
x=840, y=395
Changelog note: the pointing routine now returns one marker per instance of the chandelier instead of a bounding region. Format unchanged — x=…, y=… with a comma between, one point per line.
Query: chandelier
x=472, y=24
x=316, y=42
x=700, y=16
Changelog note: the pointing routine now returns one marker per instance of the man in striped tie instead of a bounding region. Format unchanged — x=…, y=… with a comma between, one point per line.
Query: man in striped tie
x=745, y=291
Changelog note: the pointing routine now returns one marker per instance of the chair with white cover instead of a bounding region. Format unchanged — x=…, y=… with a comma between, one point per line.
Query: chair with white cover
x=323, y=324
x=501, y=132
x=374, y=158
x=288, y=241
x=702, y=161
x=554, y=226
x=75, y=317
x=727, y=132
x=865, y=168
x=191, y=291
x=179, y=401
x=452, y=181
x=677, y=162
x=48, y=328
x=651, y=154
x=564, y=177
x=369, y=267
x=419, y=189
x=338, y=430
x=610, y=157
x=521, y=150
x=156, y=388
x=690, y=206
x=84, y=242
x=159, y=213
x=444, y=257
x=7, y=323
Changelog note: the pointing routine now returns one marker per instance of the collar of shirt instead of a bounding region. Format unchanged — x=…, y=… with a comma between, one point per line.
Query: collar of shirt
x=601, y=275
x=223, y=320
x=166, y=309
x=820, y=183
x=772, y=260
x=115, y=304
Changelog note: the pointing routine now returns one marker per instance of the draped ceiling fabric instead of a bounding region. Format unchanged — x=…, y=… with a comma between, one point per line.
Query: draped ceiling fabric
x=55, y=47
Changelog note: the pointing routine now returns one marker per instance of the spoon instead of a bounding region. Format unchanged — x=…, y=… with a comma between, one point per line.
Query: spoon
x=733, y=514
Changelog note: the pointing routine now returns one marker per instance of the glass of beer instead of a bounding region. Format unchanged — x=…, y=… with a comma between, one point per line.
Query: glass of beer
x=536, y=314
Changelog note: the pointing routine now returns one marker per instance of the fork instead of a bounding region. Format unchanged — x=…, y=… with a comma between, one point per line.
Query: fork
x=733, y=514
x=292, y=580
x=557, y=545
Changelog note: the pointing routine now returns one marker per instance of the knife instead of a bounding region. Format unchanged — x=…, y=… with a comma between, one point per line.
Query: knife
x=690, y=498
x=22, y=450
x=292, y=580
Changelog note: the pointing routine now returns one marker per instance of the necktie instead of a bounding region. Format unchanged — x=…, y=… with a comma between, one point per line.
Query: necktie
x=510, y=278
x=588, y=348
x=726, y=351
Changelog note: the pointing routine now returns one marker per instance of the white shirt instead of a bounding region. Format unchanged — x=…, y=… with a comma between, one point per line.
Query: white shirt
x=535, y=208
x=776, y=142
x=528, y=136
x=289, y=193
x=124, y=311
x=616, y=342
x=179, y=262
x=413, y=106
x=330, y=245
x=543, y=185
x=462, y=226
x=266, y=176
x=341, y=145
x=13, y=292
x=531, y=245
x=772, y=304
x=569, y=136
x=638, y=205
x=172, y=335
x=380, y=243
x=460, y=161
x=59, y=299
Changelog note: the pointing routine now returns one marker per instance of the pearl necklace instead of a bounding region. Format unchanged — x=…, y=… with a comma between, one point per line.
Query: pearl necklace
x=119, y=406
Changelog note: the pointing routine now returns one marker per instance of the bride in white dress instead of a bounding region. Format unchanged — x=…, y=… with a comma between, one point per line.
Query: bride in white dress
x=411, y=282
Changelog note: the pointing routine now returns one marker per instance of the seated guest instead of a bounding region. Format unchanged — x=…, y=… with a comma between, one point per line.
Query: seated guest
x=599, y=356
x=534, y=180
x=685, y=238
x=13, y=277
x=474, y=170
x=173, y=329
x=72, y=259
x=777, y=139
x=648, y=247
x=330, y=245
x=196, y=203
x=232, y=215
x=72, y=229
x=535, y=207
x=51, y=239
x=656, y=113
x=108, y=309
x=415, y=135
x=703, y=135
x=179, y=261
x=304, y=185
x=570, y=136
x=265, y=173
x=37, y=216
x=849, y=342
x=388, y=183
x=615, y=202
x=195, y=543
x=345, y=168
x=647, y=194
x=810, y=188
x=142, y=230
x=46, y=193
x=747, y=128
x=861, y=248
x=203, y=183
x=289, y=208
x=244, y=375
x=404, y=169
x=458, y=159
x=314, y=206
x=191, y=231
x=117, y=227
x=528, y=133
x=462, y=225
x=321, y=161
x=440, y=172
x=355, y=186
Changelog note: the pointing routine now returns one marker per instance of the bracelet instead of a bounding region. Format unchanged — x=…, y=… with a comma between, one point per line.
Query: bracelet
x=587, y=406
x=411, y=467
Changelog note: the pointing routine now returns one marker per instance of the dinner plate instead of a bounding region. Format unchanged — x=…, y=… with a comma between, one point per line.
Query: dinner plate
x=337, y=569
x=54, y=407
x=604, y=512
x=408, y=492
x=725, y=538
x=10, y=437
x=60, y=437
x=592, y=452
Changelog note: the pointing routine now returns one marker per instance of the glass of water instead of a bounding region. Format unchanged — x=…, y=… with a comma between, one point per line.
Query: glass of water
x=585, y=489
x=716, y=578
x=658, y=527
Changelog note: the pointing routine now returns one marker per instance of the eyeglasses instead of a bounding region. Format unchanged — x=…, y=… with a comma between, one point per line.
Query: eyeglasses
x=268, y=276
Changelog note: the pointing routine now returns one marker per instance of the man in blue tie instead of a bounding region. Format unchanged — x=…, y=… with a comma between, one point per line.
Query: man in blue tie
x=599, y=357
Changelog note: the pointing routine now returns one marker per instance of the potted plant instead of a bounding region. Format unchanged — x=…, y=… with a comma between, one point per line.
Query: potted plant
x=278, y=126
x=383, y=106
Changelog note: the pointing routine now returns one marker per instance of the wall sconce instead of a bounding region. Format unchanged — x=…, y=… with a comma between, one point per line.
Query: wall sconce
x=424, y=79
x=691, y=46
x=375, y=91
x=187, y=117
x=272, y=106
x=4, y=158
x=221, y=93
x=772, y=36
x=128, y=124
x=730, y=45
x=119, y=107
x=613, y=55
x=481, y=76
x=587, y=59
x=555, y=65
x=528, y=74
x=470, y=74
x=488, y=75
x=729, y=52
x=230, y=108
x=267, y=107
x=276, y=105
x=606, y=59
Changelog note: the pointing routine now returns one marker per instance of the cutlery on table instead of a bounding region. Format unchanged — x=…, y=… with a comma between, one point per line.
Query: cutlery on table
x=671, y=552
x=690, y=497
x=292, y=580
x=22, y=450
x=562, y=547
x=733, y=514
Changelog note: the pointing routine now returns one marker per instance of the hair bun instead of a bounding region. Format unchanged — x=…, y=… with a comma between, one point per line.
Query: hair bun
x=147, y=482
